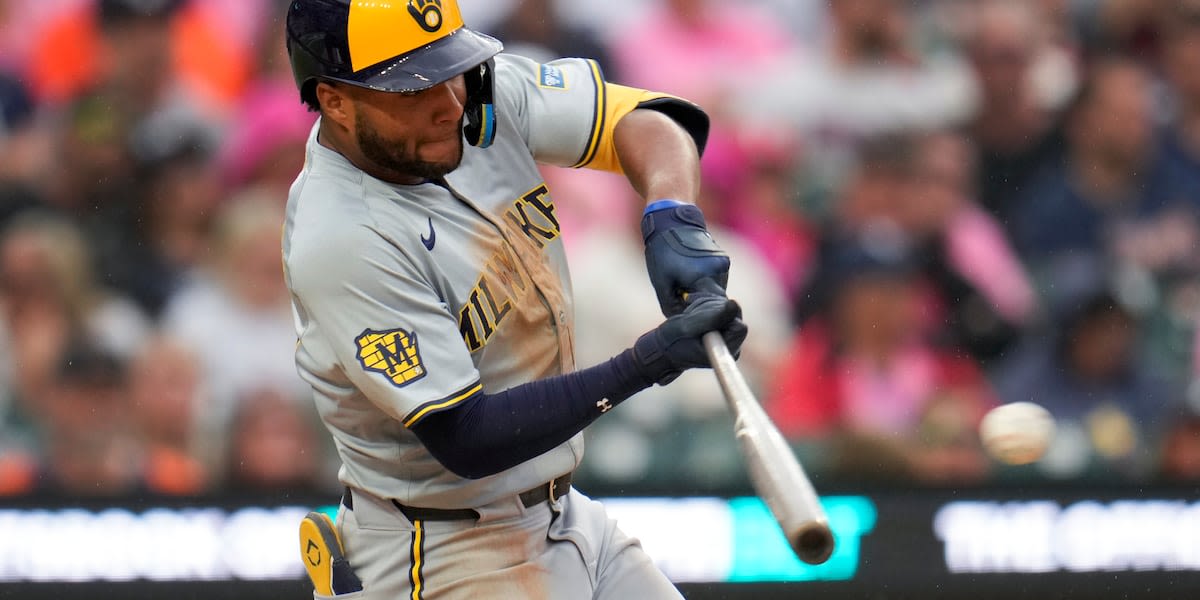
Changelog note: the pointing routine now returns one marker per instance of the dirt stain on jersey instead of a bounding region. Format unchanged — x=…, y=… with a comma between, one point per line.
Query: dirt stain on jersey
x=518, y=282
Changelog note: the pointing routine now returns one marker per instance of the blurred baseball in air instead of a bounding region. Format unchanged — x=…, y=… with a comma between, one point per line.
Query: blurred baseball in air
x=1017, y=433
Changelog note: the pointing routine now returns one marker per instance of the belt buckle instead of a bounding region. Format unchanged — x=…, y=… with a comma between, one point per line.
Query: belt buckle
x=553, y=487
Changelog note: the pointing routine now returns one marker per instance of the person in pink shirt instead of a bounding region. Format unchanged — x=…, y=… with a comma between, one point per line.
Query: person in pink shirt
x=702, y=50
x=916, y=189
x=684, y=47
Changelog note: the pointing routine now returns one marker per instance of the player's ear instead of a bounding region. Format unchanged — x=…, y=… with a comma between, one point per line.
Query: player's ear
x=335, y=104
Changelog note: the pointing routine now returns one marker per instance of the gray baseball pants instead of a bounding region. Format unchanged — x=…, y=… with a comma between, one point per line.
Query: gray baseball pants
x=566, y=549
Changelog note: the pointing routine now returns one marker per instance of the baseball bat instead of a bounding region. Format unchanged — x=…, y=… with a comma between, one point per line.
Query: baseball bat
x=774, y=471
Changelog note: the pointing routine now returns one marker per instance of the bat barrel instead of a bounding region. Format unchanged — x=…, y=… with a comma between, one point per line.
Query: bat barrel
x=813, y=544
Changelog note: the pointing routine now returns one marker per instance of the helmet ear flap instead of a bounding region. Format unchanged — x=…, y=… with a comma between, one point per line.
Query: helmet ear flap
x=480, y=110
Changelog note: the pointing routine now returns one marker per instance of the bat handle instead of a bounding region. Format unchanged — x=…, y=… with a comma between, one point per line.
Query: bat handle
x=724, y=366
x=718, y=353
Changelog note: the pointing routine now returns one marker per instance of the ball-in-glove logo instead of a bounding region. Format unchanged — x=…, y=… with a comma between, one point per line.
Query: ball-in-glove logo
x=428, y=13
x=393, y=353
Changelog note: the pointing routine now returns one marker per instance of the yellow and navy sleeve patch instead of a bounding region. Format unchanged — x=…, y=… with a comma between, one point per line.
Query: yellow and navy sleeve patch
x=614, y=102
x=441, y=404
x=393, y=353
x=552, y=78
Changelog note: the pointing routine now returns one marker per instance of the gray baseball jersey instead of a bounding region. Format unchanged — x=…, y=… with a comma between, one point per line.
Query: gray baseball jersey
x=409, y=298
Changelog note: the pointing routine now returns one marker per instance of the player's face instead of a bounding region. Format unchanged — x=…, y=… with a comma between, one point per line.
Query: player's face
x=413, y=135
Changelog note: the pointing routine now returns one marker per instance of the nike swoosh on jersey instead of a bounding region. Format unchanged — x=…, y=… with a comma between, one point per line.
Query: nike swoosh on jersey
x=432, y=239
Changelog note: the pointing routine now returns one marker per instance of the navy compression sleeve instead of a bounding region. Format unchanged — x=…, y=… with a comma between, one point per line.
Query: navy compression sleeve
x=488, y=433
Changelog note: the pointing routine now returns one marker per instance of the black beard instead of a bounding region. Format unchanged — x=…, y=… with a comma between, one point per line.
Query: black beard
x=392, y=157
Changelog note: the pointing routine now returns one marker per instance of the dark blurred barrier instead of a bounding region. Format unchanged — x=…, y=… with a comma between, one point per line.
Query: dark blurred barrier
x=1038, y=543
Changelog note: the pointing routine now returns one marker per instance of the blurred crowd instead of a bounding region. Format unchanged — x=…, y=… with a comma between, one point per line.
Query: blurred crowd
x=932, y=206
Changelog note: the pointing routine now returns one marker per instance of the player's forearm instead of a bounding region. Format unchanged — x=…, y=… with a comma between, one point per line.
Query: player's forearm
x=658, y=156
x=489, y=433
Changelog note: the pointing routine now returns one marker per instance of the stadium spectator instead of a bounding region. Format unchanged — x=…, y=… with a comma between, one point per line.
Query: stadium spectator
x=88, y=449
x=274, y=446
x=872, y=199
x=1113, y=194
x=235, y=313
x=869, y=78
x=861, y=377
x=154, y=241
x=1111, y=409
x=218, y=47
x=1181, y=137
x=94, y=181
x=977, y=280
x=134, y=61
x=915, y=191
x=680, y=44
x=533, y=28
x=1181, y=450
x=1134, y=28
x=806, y=20
x=56, y=44
x=264, y=143
x=50, y=301
x=1015, y=125
x=757, y=196
x=129, y=103
x=24, y=146
x=18, y=471
x=264, y=148
x=16, y=107
x=205, y=49
x=1059, y=24
x=17, y=199
x=166, y=397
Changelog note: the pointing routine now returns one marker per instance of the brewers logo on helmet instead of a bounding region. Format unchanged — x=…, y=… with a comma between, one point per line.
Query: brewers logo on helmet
x=428, y=13
x=393, y=47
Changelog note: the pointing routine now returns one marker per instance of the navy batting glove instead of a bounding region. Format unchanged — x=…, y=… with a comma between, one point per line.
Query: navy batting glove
x=676, y=345
x=681, y=257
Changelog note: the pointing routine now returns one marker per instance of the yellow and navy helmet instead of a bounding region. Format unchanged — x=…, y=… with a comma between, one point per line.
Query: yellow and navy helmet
x=393, y=46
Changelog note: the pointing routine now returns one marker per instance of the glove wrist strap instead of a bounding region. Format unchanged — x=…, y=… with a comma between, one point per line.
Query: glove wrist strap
x=663, y=204
x=651, y=361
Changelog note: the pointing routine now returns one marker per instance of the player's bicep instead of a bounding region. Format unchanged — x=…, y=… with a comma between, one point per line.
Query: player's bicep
x=553, y=105
x=568, y=112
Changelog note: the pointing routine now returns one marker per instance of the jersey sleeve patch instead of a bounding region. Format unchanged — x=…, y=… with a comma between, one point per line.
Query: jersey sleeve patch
x=552, y=78
x=393, y=353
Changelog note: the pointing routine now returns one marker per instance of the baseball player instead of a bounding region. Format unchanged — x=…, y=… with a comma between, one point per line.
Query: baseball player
x=434, y=311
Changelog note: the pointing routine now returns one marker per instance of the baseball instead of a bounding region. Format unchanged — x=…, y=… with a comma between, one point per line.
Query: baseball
x=1017, y=433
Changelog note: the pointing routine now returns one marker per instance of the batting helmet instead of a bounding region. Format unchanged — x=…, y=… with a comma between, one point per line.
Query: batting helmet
x=394, y=46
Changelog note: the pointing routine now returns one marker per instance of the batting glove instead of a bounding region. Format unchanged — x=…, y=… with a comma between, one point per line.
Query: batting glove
x=676, y=345
x=681, y=257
